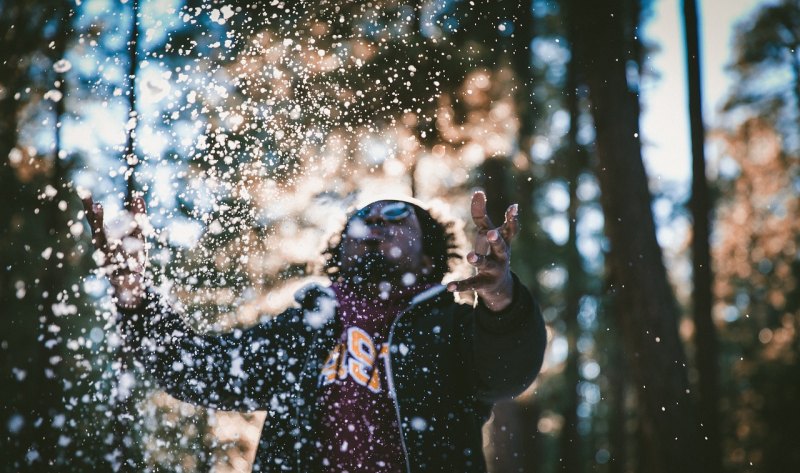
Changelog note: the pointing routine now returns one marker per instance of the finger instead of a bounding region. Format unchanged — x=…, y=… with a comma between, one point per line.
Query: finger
x=510, y=226
x=476, y=260
x=481, y=244
x=87, y=203
x=139, y=214
x=88, y=209
x=497, y=245
x=478, y=211
x=468, y=284
x=94, y=214
x=138, y=205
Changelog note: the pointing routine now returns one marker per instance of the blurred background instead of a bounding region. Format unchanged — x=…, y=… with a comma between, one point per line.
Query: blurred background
x=653, y=147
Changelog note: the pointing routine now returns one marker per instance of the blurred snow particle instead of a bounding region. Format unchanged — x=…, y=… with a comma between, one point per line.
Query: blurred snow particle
x=590, y=370
x=357, y=228
x=132, y=245
x=409, y=279
x=236, y=367
x=61, y=309
x=419, y=424
x=114, y=340
x=326, y=309
x=47, y=252
x=61, y=66
x=99, y=257
x=76, y=229
x=15, y=156
x=82, y=192
x=131, y=123
x=184, y=233
x=155, y=89
x=20, y=287
x=221, y=15
x=53, y=95
x=19, y=374
x=215, y=228
x=58, y=421
x=96, y=334
x=15, y=423
x=126, y=383
x=31, y=456
x=94, y=286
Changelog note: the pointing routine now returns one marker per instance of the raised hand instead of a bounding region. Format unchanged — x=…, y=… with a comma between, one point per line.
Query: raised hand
x=491, y=257
x=123, y=258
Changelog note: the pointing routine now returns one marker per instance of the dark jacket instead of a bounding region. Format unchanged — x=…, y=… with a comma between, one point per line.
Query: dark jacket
x=448, y=364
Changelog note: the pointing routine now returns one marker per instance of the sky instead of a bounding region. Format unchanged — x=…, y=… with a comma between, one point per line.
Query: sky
x=665, y=122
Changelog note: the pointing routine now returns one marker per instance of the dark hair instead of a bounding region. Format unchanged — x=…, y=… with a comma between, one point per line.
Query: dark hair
x=439, y=242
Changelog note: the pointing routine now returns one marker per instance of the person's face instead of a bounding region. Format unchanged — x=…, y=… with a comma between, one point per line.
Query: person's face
x=383, y=242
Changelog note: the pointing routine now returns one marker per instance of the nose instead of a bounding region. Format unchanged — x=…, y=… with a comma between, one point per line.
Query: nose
x=374, y=217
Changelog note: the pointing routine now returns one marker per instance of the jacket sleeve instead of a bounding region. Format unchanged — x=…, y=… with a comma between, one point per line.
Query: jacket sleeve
x=241, y=370
x=508, y=346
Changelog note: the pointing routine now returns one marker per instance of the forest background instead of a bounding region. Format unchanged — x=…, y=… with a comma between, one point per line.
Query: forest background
x=673, y=309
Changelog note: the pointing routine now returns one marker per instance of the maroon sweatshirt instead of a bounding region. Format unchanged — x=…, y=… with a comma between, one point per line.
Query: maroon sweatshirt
x=358, y=425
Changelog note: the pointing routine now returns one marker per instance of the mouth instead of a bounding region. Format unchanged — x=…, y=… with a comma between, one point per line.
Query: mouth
x=373, y=239
x=369, y=265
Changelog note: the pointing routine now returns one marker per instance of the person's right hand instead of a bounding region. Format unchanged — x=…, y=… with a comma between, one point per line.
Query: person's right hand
x=122, y=258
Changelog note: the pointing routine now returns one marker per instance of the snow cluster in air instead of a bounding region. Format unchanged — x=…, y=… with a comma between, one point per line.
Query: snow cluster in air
x=251, y=137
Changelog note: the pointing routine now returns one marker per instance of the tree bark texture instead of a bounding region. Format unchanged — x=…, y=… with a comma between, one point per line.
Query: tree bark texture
x=706, y=344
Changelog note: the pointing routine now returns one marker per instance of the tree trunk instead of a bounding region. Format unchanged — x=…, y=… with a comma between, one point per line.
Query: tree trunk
x=126, y=453
x=705, y=333
x=571, y=458
x=647, y=314
x=618, y=419
x=130, y=140
x=520, y=58
x=53, y=281
x=521, y=63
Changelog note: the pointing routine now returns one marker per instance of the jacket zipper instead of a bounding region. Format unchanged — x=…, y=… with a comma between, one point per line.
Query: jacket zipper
x=392, y=392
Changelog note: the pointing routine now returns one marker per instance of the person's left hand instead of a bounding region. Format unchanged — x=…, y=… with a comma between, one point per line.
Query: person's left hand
x=491, y=257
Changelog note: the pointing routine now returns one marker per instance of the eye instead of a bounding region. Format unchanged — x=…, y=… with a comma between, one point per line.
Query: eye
x=396, y=212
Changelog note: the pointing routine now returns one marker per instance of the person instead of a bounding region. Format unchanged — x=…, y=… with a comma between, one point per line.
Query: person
x=382, y=370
